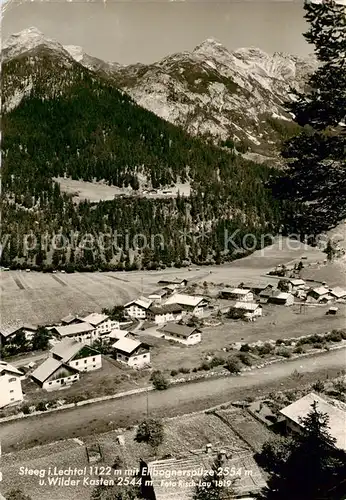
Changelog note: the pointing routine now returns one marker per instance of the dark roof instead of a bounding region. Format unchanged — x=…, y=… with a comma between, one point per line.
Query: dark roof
x=166, y=308
x=176, y=281
x=175, y=329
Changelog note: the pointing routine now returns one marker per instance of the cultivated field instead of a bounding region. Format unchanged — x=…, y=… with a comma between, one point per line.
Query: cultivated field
x=46, y=298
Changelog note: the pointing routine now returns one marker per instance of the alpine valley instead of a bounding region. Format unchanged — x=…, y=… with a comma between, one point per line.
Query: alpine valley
x=211, y=119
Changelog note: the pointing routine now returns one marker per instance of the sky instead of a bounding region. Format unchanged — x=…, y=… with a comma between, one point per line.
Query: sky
x=130, y=31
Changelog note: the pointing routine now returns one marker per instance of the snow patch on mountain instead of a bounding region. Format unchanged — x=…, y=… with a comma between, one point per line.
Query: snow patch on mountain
x=27, y=40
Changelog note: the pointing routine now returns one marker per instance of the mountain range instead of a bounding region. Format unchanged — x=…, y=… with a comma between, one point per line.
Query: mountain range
x=233, y=98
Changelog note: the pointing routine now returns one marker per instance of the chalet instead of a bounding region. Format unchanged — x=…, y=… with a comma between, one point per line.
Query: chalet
x=159, y=295
x=132, y=352
x=176, y=283
x=81, y=357
x=258, y=288
x=117, y=334
x=338, y=293
x=181, y=333
x=189, y=303
x=52, y=375
x=138, y=308
x=281, y=298
x=101, y=322
x=320, y=295
x=165, y=313
x=82, y=332
x=239, y=294
x=10, y=385
x=265, y=294
x=248, y=310
x=295, y=284
x=301, y=408
x=8, y=334
x=71, y=319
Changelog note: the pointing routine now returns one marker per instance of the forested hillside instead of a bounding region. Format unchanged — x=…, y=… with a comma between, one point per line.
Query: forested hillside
x=64, y=120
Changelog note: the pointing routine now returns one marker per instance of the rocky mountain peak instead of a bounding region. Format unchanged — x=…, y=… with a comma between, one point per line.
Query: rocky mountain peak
x=27, y=40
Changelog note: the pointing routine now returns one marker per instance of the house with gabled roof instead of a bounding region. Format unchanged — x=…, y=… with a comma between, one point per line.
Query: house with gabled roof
x=190, y=304
x=238, y=294
x=248, y=310
x=10, y=385
x=320, y=295
x=295, y=284
x=101, y=322
x=81, y=357
x=138, y=308
x=294, y=412
x=7, y=334
x=82, y=332
x=173, y=283
x=338, y=293
x=159, y=295
x=71, y=319
x=181, y=333
x=165, y=313
x=281, y=298
x=53, y=375
x=132, y=352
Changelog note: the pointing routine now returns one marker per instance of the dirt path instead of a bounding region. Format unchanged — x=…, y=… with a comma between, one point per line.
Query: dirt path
x=177, y=400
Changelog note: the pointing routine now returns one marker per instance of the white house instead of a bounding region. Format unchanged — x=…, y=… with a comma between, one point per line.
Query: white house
x=132, y=352
x=249, y=310
x=165, y=313
x=301, y=408
x=320, y=295
x=239, y=294
x=180, y=333
x=138, y=308
x=189, y=303
x=101, y=322
x=82, y=332
x=10, y=385
x=81, y=357
x=52, y=375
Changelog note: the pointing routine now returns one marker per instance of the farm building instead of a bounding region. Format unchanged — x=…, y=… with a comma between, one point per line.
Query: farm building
x=258, y=288
x=238, y=294
x=175, y=283
x=281, y=298
x=81, y=357
x=189, y=303
x=132, y=352
x=181, y=333
x=300, y=409
x=295, y=284
x=159, y=295
x=71, y=319
x=165, y=313
x=138, y=308
x=83, y=332
x=101, y=322
x=338, y=293
x=320, y=295
x=10, y=385
x=8, y=334
x=116, y=334
x=52, y=375
x=248, y=310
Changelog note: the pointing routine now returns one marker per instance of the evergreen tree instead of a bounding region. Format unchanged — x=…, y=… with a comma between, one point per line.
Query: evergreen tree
x=310, y=467
x=316, y=174
x=213, y=486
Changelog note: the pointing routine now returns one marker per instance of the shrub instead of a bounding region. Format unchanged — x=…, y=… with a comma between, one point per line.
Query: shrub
x=194, y=369
x=233, y=364
x=41, y=406
x=150, y=431
x=286, y=353
x=26, y=409
x=205, y=366
x=334, y=336
x=174, y=373
x=245, y=348
x=265, y=349
x=216, y=361
x=159, y=380
x=318, y=345
x=318, y=386
x=298, y=349
x=245, y=358
x=184, y=370
x=279, y=342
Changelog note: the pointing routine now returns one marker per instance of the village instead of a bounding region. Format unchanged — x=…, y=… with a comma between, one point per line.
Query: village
x=185, y=330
